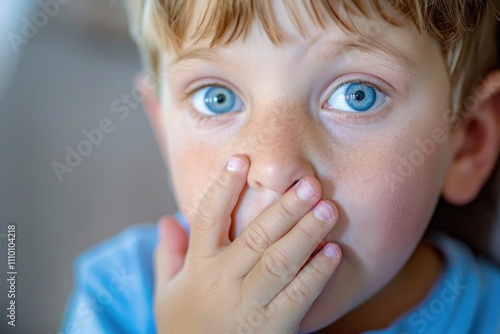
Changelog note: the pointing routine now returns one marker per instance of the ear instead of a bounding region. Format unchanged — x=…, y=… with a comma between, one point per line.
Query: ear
x=477, y=144
x=148, y=87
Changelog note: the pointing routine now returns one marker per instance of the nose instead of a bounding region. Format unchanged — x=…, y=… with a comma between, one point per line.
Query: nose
x=277, y=148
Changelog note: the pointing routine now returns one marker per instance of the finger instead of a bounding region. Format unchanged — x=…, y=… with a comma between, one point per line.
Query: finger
x=171, y=249
x=283, y=260
x=296, y=299
x=272, y=224
x=211, y=221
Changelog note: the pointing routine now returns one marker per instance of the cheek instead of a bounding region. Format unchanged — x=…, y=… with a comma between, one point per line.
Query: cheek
x=390, y=195
x=193, y=164
x=381, y=220
x=388, y=203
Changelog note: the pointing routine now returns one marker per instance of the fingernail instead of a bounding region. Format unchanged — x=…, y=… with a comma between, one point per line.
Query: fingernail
x=323, y=211
x=305, y=191
x=234, y=164
x=330, y=250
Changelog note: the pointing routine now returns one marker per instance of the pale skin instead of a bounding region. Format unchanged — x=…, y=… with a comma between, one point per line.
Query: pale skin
x=251, y=233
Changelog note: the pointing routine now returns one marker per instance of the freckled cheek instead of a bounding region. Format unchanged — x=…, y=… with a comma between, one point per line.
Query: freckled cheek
x=382, y=218
x=378, y=227
x=193, y=165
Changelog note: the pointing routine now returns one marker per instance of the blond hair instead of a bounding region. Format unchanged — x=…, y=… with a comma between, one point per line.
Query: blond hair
x=466, y=29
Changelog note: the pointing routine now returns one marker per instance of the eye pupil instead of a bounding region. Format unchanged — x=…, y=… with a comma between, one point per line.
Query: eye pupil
x=356, y=97
x=221, y=98
x=359, y=95
x=215, y=100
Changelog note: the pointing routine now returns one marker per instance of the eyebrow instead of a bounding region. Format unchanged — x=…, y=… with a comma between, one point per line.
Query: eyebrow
x=208, y=54
x=327, y=51
x=380, y=48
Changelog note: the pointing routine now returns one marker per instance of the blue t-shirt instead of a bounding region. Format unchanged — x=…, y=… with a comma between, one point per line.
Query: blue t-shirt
x=113, y=290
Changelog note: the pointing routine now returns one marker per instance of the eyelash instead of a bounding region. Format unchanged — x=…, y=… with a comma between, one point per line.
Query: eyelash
x=201, y=119
x=359, y=81
x=366, y=117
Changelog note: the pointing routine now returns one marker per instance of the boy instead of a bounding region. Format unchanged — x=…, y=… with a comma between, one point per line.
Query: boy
x=308, y=144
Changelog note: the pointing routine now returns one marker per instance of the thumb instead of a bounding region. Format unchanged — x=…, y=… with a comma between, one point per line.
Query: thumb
x=171, y=249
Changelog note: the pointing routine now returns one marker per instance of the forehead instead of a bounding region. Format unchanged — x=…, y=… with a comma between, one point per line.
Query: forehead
x=352, y=29
x=222, y=22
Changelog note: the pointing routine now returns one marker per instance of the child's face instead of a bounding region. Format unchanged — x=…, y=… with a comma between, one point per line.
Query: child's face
x=291, y=117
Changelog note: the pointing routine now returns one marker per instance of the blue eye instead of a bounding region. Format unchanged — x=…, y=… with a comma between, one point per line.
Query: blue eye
x=215, y=100
x=355, y=97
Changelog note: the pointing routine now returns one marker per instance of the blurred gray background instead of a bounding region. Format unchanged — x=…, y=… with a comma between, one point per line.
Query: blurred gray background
x=61, y=82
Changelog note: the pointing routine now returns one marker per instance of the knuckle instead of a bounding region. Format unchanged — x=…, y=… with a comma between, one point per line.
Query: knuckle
x=221, y=183
x=285, y=210
x=224, y=179
x=275, y=264
x=257, y=239
x=214, y=191
x=309, y=231
x=204, y=219
x=315, y=272
x=299, y=293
